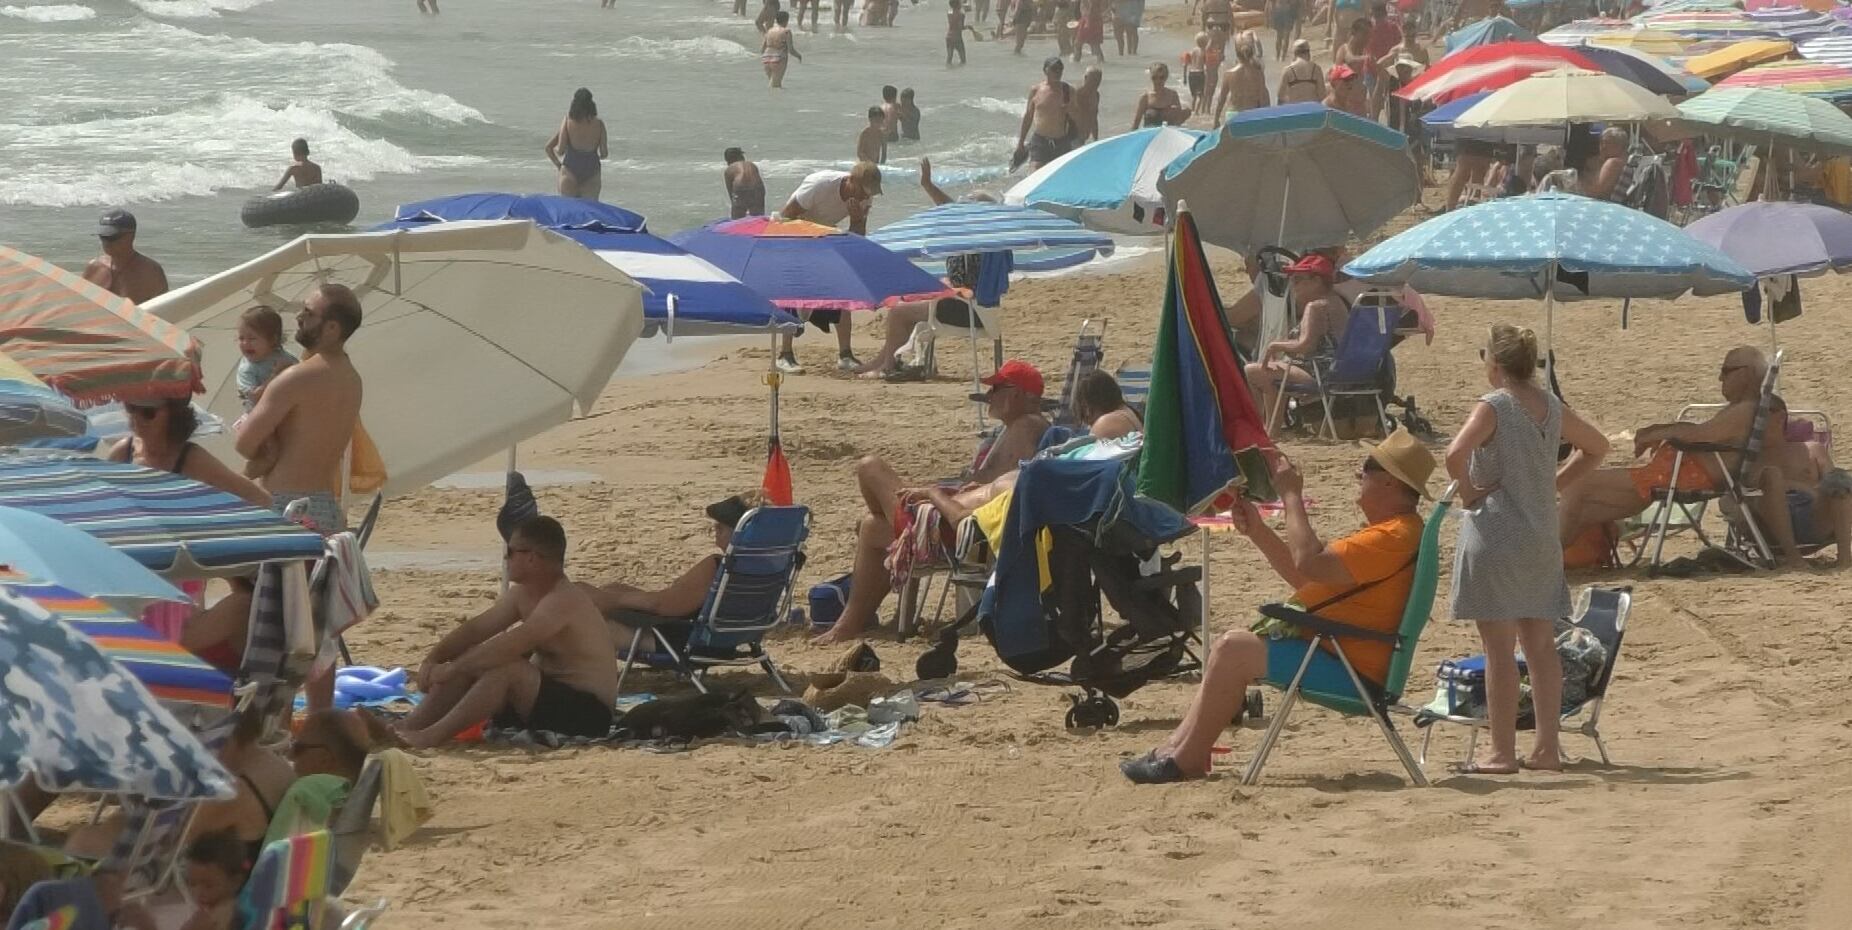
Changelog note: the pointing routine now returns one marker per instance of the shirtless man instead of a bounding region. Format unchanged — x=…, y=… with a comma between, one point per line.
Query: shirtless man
x=483, y=669
x=745, y=186
x=1087, y=106
x=1047, y=130
x=1015, y=399
x=301, y=170
x=871, y=143
x=778, y=48
x=1602, y=175
x=1610, y=494
x=1301, y=81
x=121, y=270
x=1806, y=501
x=890, y=113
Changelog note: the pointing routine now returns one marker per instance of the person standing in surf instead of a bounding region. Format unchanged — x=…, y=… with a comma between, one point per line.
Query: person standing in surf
x=777, y=50
x=121, y=270
x=1047, y=130
x=745, y=187
x=579, y=148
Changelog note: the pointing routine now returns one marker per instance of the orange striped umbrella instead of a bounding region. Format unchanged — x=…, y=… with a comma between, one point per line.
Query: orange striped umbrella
x=87, y=343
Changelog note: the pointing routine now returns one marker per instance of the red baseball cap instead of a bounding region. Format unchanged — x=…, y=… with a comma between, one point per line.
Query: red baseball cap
x=1313, y=264
x=1341, y=73
x=1018, y=374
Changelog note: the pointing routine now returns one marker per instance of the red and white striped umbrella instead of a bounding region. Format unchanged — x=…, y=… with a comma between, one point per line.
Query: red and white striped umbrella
x=1490, y=67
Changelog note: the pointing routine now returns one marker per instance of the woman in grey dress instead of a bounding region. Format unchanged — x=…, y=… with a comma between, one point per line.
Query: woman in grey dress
x=1508, y=565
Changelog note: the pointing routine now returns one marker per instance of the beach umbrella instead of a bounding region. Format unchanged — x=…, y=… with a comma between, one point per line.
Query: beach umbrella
x=170, y=673
x=1707, y=24
x=40, y=548
x=31, y=410
x=1486, y=32
x=170, y=524
x=1201, y=426
x=1111, y=184
x=476, y=335
x=800, y=265
x=1762, y=116
x=1812, y=78
x=1736, y=56
x=1489, y=67
x=1298, y=176
x=73, y=720
x=1582, y=30
x=1817, y=6
x=1566, y=96
x=975, y=228
x=1777, y=238
x=1649, y=71
x=1648, y=41
x=683, y=293
x=1798, y=24
x=85, y=342
x=1834, y=50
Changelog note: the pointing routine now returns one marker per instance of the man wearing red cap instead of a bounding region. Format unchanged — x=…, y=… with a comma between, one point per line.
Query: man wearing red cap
x=1323, y=316
x=1015, y=400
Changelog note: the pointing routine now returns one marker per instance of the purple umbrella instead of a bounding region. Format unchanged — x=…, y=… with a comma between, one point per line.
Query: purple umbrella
x=1773, y=238
x=799, y=265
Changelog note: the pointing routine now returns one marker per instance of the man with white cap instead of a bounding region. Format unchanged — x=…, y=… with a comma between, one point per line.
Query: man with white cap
x=1362, y=580
x=121, y=270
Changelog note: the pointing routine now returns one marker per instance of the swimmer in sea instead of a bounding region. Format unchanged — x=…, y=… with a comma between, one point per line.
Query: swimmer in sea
x=871, y=143
x=745, y=188
x=301, y=170
x=955, y=29
x=890, y=112
x=1087, y=106
x=779, y=46
x=909, y=113
x=427, y=6
x=768, y=16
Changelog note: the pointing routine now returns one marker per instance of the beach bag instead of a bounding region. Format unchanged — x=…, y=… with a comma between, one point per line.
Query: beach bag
x=1462, y=685
x=691, y=716
x=828, y=599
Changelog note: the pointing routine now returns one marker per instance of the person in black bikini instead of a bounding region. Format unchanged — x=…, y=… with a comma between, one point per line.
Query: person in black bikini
x=161, y=437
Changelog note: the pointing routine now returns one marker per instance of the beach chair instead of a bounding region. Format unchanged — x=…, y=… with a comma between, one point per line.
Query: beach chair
x=289, y=887
x=965, y=567
x=1740, y=489
x=1089, y=350
x=60, y=904
x=1134, y=385
x=1355, y=369
x=750, y=595
x=1603, y=613
x=957, y=313
x=352, y=826
x=1362, y=699
x=150, y=849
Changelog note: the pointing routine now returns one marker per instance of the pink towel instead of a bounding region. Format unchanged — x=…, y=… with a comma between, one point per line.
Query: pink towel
x=168, y=618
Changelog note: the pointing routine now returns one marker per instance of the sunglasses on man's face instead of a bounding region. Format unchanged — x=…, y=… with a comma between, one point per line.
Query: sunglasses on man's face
x=1727, y=370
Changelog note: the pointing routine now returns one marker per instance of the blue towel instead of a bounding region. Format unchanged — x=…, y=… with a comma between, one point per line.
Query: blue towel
x=993, y=278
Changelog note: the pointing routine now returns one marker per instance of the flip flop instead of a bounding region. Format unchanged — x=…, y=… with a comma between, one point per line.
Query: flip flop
x=1475, y=768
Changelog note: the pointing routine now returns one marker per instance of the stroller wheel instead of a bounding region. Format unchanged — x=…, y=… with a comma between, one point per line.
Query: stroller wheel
x=1091, y=713
x=941, y=661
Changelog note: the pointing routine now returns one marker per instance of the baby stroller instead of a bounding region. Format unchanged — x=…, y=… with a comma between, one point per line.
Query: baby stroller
x=1112, y=554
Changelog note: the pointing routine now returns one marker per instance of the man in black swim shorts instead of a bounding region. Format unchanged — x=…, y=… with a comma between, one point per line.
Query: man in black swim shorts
x=541, y=658
x=1047, y=131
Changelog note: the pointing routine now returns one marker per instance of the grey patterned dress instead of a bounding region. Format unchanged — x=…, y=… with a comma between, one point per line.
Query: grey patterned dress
x=1508, y=564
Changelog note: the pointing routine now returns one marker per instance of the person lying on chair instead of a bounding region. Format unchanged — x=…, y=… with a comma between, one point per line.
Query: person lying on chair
x=1015, y=399
x=1814, y=497
x=540, y=659
x=1609, y=494
x=683, y=598
x=1100, y=406
x=1323, y=314
x=1362, y=579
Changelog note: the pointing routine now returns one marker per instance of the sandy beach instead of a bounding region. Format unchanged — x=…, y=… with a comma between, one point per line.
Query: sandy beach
x=1727, y=806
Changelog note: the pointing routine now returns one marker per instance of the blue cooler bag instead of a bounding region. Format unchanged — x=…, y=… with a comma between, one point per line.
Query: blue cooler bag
x=827, y=601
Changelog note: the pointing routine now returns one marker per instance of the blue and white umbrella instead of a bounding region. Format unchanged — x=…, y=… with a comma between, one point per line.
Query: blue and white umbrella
x=1486, y=32
x=1299, y=176
x=952, y=229
x=30, y=410
x=1111, y=184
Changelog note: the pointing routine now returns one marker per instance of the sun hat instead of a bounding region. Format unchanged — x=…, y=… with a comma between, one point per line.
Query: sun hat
x=1313, y=264
x=1405, y=459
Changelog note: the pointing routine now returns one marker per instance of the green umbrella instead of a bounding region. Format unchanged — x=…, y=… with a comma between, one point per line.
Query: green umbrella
x=1761, y=115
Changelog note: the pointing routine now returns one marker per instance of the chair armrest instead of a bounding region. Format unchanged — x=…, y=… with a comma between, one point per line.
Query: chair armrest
x=1721, y=448
x=1325, y=625
x=1170, y=578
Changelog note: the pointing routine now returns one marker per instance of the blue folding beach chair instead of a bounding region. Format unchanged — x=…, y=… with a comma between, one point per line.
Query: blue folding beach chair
x=1355, y=370
x=751, y=594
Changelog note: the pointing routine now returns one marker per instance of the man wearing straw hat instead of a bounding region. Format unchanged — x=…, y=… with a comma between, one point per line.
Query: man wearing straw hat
x=1362, y=579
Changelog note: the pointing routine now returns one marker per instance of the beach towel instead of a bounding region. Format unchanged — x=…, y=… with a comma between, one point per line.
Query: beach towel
x=920, y=537
x=282, y=642
x=342, y=594
x=993, y=278
x=307, y=806
x=403, y=804
x=366, y=470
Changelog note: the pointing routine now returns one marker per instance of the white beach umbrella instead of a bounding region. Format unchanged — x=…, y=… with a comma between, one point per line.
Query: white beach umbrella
x=475, y=335
x=1564, y=96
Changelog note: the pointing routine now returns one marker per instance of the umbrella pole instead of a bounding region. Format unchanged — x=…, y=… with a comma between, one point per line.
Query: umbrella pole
x=509, y=470
x=1286, y=196
x=1549, y=325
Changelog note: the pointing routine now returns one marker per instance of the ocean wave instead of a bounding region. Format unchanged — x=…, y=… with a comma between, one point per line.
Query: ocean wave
x=994, y=105
x=232, y=142
x=49, y=13
x=193, y=9
x=700, y=48
x=974, y=161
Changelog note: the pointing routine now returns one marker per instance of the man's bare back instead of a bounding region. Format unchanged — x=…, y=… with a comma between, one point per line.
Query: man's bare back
x=1019, y=441
x=580, y=651
x=139, y=278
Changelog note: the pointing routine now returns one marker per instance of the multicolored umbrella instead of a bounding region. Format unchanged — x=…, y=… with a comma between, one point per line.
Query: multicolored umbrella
x=1489, y=67
x=1111, y=184
x=800, y=265
x=974, y=228
x=1813, y=78
x=169, y=672
x=1201, y=426
x=34, y=547
x=170, y=524
x=1736, y=56
x=1799, y=24
x=1760, y=116
x=1565, y=96
x=88, y=344
x=72, y=719
x=1649, y=71
x=1705, y=24
x=31, y=410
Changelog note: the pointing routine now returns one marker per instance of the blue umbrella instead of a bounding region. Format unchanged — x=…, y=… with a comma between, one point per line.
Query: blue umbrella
x=1486, y=32
x=966, y=228
x=45, y=550
x=72, y=719
x=1111, y=184
x=685, y=294
x=34, y=411
x=800, y=265
x=1298, y=176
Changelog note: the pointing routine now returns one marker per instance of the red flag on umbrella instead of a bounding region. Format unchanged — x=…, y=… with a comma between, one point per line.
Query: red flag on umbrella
x=777, y=482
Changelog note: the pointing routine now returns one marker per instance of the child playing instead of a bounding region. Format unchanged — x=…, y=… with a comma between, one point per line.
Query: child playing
x=871, y=144
x=1193, y=62
x=955, y=29
x=260, y=342
x=215, y=870
x=909, y=113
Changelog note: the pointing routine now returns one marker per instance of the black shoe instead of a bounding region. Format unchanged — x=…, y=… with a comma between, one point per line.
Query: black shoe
x=1152, y=769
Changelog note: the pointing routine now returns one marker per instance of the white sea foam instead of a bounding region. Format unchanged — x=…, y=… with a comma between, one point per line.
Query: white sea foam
x=700, y=48
x=193, y=9
x=994, y=105
x=49, y=13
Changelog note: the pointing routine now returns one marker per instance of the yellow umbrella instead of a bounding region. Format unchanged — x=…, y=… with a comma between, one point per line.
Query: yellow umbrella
x=1733, y=58
x=1650, y=41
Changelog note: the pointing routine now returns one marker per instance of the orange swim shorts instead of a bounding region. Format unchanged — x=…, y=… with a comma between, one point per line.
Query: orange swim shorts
x=1656, y=475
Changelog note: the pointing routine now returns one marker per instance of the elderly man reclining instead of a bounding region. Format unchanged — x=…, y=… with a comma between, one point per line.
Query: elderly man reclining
x=1610, y=494
x=1815, y=496
x=1362, y=579
x=1015, y=400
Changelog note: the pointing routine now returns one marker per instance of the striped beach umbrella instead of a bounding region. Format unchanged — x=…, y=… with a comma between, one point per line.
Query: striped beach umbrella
x=1813, y=78
x=1649, y=71
x=87, y=343
x=170, y=524
x=1760, y=116
x=31, y=410
x=1719, y=63
x=1707, y=24
x=1650, y=41
x=800, y=265
x=1799, y=25
x=974, y=228
x=1111, y=184
x=1489, y=67
x=1833, y=50
x=169, y=672
x=1584, y=30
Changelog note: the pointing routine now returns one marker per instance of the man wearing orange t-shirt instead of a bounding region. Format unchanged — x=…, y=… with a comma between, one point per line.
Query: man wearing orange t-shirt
x=1362, y=579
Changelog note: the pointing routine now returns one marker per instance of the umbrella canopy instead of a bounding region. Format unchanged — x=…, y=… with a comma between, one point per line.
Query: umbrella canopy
x=1486, y=32
x=170, y=524
x=1797, y=24
x=477, y=335
x=1111, y=184
x=72, y=719
x=1775, y=238
x=31, y=410
x=1439, y=124
x=1818, y=6
x=1583, y=30
x=800, y=265
x=1297, y=176
x=1758, y=115
x=89, y=344
x=40, y=548
x=1566, y=96
x=1835, y=50
x=1813, y=78
x=169, y=672
x=1737, y=56
x=684, y=293
x=1509, y=248
x=974, y=228
x=1650, y=41
x=1489, y=67
x=1651, y=72
x=1707, y=24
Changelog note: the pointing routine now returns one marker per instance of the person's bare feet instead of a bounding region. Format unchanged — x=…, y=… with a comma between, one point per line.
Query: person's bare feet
x=1544, y=761
x=1490, y=767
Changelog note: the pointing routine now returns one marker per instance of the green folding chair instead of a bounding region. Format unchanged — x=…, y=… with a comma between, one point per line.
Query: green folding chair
x=1362, y=699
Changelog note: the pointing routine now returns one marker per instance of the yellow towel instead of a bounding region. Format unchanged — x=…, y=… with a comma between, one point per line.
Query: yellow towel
x=990, y=518
x=1836, y=181
x=403, y=805
x=366, y=471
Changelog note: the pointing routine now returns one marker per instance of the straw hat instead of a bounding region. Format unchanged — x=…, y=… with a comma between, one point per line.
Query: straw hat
x=1403, y=456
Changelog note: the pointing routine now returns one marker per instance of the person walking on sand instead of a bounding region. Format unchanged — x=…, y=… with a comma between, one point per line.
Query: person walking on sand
x=1508, y=567
x=579, y=148
x=121, y=270
x=745, y=187
x=1301, y=81
x=300, y=170
x=777, y=49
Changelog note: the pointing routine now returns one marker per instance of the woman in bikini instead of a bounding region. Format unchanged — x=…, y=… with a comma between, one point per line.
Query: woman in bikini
x=579, y=148
x=1159, y=106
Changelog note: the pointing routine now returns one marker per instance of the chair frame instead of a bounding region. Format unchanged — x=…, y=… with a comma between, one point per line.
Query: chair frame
x=1321, y=368
x=1737, y=486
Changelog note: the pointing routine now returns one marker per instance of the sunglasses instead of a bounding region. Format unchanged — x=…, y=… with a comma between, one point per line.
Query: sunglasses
x=144, y=413
x=1371, y=467
x=1726, y=370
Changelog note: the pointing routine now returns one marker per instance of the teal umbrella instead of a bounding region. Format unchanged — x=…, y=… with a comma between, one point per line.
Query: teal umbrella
x=43, y=549
x=1763, y=116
